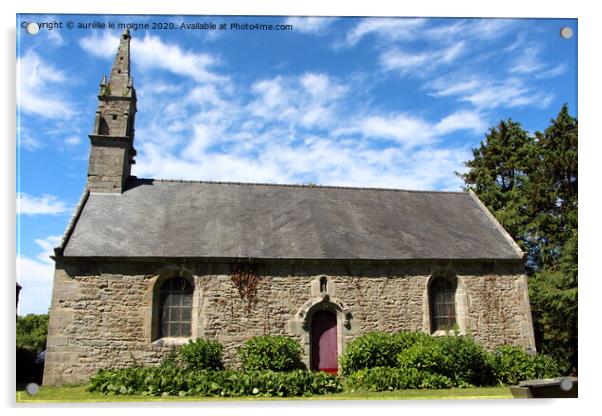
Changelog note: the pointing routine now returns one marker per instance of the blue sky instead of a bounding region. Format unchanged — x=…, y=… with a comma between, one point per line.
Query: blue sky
x=395, y=102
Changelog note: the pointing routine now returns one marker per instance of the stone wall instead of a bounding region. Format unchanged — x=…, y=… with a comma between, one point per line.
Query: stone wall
x=104, y=314
x=109, y=164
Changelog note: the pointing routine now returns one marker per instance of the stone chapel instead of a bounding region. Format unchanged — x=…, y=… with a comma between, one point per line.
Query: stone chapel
x=146, y=264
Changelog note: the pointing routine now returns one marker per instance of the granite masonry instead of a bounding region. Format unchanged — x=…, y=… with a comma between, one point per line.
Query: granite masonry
x=146, y=265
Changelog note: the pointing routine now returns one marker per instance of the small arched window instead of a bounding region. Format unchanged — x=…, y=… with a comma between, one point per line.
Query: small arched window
x=442, y=302
x=323, y=284
x=175, y=308
x=103, y=127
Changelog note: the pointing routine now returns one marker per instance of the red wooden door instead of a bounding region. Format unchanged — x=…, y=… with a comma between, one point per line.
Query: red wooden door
x=324, y=342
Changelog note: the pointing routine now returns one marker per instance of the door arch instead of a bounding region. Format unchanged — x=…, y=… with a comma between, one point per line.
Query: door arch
x=324, y=351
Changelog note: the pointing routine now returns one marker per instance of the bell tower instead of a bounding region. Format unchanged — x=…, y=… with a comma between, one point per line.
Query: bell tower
x=112, y=140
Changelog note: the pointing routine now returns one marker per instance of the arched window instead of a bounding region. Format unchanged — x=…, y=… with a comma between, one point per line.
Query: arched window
x=442, y=302
x=175, y=304
x=103, y=127
x=323, y=284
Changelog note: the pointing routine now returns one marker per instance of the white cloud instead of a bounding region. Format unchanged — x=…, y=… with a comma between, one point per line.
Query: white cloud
x=203, y=136
x=26, y=141
x=472, y=29
x=410, y=29
x=451, y=53
x=35, y=92
x=54, y=36
x=528, y=61
x=47, y=244
x=445, y=32
x=289, y=129
x=43, y=205
x=151, y=52
x=296, y=129
x=552, y=72
x=435, y=167
x=406, y=129
x=102, y=46
x=420, y=63
x=321, y=87
x=73, y=140
x=462, y=120
x=488, y=29
x=444, y=87
x=404, y=62
x=412, y=131
x=486, y=93
x=271, y=96
x=35, y=275
x=329, y=162
x=157, y=163
x=310, y=99
x=392, y=29
x=508, y=93
x=314, y=25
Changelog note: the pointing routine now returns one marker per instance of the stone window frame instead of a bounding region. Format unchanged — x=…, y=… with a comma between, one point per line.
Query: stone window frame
x=461, y=303
x=178, y=289
x=152, y=301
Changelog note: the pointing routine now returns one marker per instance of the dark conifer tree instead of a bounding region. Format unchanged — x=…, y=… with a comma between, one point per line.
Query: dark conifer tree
x=529, y=182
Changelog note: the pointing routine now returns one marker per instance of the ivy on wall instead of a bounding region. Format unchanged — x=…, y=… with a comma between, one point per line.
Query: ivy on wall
x=246, y=277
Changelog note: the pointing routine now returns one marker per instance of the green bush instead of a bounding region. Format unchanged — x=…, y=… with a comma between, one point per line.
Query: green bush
x=271, y=352
x=200, y=354
x=377, y=349
x=512, y=364
x=386, y=378
x=546, y=367
x=467, y=363
x=425, y=356
x=176, y=381
x=459, y=358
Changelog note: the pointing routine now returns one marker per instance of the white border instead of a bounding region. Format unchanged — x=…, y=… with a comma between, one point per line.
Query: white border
x=590, y=35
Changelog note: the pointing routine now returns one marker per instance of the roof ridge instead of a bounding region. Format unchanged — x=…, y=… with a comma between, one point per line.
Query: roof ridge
x=294, y=185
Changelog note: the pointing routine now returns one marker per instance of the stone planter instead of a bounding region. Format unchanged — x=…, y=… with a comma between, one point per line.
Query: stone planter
x=553, y=388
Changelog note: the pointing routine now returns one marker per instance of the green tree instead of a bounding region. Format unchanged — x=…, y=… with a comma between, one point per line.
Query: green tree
x=529, y=182
x=498, y=172
x=552, y=189
x=553, y=294
x=32, y=331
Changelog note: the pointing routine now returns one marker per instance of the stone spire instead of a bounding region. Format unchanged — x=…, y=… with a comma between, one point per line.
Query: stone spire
x=112, y=140
x=120, y=73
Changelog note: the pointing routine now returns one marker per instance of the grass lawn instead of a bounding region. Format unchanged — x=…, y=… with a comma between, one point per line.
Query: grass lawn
x=79, y=394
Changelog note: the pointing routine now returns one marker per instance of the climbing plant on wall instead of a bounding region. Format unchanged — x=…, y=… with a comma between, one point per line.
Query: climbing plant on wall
x=246, y=277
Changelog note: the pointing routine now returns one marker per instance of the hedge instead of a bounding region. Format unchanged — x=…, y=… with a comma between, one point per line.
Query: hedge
x=386, y=378
x=377, y=349
x=463, y=362
x=177, y=381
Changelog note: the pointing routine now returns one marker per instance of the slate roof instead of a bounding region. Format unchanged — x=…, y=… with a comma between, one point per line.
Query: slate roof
x=153, y=218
